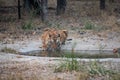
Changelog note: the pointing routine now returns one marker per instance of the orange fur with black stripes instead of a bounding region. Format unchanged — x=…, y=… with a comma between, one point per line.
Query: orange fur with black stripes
x=49, y=39
x=63, y=36
x=53, y=39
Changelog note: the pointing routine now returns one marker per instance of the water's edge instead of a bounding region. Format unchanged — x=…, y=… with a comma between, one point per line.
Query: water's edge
x=78, y=53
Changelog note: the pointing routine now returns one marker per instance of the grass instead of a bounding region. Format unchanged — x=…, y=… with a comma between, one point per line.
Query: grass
x=58, y=26
x=53, y=25
x=95, y=68
x=101, y=47
x=19, y=76
x=89, y=25
x=82, y=76
x=9, y=50
x=28, y=25
x=85, y=55
x=118, y=55
x=70, y=63
x=115, y=77
x=75, y=55
x=84, y=72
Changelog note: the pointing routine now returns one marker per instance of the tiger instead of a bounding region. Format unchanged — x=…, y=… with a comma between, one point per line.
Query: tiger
x=49, y=39
x=53, y=39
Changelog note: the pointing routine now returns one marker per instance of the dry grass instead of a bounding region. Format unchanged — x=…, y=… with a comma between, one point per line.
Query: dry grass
x=77, y=13
x=19, y=71
x=34, y=70
x=82, y=76
x=9, y=50
x=20, y=76
x=8, y=3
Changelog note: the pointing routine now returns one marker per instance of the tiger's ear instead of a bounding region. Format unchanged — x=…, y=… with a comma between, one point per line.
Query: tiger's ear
x=66, y=32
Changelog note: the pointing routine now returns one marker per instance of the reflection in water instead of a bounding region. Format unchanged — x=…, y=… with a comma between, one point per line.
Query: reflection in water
x=43, y=53
x=78, y=54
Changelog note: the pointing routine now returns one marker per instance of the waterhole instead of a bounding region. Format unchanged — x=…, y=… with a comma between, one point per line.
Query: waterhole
x=76, y=54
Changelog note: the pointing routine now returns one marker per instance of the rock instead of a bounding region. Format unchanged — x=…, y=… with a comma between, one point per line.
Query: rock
x=116, y=50
x=69, y=39
x=81, y=32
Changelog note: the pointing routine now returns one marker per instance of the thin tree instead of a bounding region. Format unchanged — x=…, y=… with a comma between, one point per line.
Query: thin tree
x=61, y=6
x=44, y=9
x=19, y=11
x=102, y=4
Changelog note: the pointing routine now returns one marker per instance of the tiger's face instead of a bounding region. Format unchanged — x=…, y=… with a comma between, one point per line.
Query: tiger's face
x=55, y=35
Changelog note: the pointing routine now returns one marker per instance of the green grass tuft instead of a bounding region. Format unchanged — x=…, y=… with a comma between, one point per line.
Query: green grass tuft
x=28, y=25
x=70, y=63
x=95, y=68
x=89, y=26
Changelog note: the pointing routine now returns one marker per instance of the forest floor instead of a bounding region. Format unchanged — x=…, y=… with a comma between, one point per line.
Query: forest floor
x=88, y=27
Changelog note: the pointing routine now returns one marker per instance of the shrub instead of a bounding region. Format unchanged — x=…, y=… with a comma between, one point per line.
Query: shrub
x=27, y=25
x=89, y=25
x=97, y=69
x=69, y=64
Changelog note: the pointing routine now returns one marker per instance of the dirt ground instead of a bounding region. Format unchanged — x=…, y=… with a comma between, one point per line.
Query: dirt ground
x=19, y=67
x=105, y=35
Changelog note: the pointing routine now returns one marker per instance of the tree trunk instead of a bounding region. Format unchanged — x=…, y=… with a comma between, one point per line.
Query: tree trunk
x=61, y=6
x=102, y=4
x=19, y=11
x=44, y=10
x=111, y=1
x=27, y=5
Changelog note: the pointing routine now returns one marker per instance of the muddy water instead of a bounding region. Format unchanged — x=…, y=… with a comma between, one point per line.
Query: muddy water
x=78, y=54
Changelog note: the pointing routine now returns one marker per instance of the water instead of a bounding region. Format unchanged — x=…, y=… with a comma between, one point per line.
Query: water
x=77, y=54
